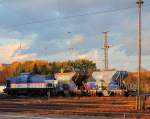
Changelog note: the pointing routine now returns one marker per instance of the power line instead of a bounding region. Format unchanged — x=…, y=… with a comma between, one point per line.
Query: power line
x=69, y=17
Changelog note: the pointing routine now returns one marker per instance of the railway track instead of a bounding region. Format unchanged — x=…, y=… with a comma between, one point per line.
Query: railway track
x=93, y=106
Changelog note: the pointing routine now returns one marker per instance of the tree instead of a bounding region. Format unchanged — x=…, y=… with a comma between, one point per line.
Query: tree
x=44, y=70
x=35, y=69
x=56, y=66
x=81, y=65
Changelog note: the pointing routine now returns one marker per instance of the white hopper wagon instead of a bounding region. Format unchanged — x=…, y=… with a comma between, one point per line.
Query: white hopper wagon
x=65, y=82
x=110, y=81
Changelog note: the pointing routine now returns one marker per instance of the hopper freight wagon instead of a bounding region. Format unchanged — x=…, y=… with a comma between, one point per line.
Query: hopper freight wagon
x=28, y=84
x=112, y=83
x=73, y=83
x=65, y=85
x=106, y=83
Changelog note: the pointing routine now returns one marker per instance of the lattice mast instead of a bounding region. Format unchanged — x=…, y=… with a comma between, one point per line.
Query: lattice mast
x=105, y=47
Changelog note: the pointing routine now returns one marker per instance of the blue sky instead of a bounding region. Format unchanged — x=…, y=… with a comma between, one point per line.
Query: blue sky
x=46, y=31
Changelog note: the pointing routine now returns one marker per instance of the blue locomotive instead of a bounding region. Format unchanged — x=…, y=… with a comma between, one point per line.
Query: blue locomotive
x=28, y=83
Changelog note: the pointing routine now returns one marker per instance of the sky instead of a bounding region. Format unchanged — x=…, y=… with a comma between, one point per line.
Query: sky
x=59, y=30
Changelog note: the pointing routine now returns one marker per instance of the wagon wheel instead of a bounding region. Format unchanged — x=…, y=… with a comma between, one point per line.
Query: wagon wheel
x=106, y=93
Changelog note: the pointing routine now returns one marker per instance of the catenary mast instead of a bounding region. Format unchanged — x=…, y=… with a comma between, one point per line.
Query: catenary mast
x=139, y=6
x=105, y=47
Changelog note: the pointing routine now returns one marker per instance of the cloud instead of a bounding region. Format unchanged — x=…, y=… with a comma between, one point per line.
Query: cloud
x=13, y=44
x=146, y=42
x=23, y=57
x=76, y=40
x=130, y=43
x=118, y=59
x=7, y=53
x=50, y=39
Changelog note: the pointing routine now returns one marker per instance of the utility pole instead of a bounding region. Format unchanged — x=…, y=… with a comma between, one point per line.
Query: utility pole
x=105, y=48
x=139, y=6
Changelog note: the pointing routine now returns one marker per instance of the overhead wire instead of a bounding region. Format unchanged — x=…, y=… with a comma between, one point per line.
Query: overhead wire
x=73, y=16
